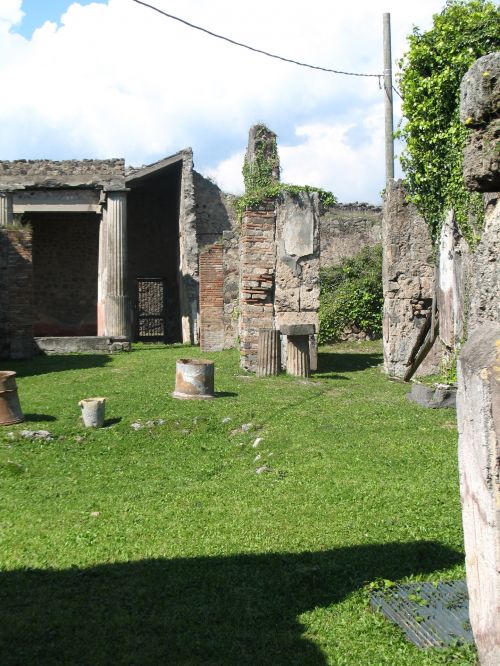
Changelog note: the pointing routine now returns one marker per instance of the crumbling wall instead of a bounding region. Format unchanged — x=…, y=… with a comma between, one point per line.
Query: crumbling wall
x=346, y=228
x=215, y=212
x=478, y=397
x=16, y=294
x=408, y=279
x=23, y=174
x=296, y=294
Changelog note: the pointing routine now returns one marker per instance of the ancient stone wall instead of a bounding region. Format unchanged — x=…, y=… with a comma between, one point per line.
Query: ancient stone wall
x=478, y=397
x=22, y=174
x=296, y=295
x=16, y=294
x=347, y=228
x=478, y=411
x=215, y=211
x=408, y=279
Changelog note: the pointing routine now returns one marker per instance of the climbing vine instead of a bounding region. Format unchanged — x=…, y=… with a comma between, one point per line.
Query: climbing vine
x=261, y=176
x=431, y=72
x=351, y=296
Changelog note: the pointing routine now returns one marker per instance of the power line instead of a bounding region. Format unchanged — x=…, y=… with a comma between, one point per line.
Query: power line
x=251, y=48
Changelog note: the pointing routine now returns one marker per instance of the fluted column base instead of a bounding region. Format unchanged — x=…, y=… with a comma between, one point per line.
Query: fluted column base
x=268, y=353
x=297, y=356
x=117, y=316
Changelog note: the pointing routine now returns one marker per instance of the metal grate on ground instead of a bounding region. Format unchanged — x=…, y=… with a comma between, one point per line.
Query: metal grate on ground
x=430, y=614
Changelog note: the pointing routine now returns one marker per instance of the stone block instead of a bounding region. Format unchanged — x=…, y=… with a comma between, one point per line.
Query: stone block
x=478, y=412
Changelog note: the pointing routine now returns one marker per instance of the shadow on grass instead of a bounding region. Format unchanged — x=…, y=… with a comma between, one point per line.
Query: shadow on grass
x=41, y=365
x=331, y=363
x=35, y=418
x=240, y=609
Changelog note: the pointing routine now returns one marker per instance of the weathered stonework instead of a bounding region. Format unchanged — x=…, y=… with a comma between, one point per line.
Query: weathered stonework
x=478, y=398
x=346, y=228
x=478, y=411
x=408, y=279
x=479, y=105
x=25, y=174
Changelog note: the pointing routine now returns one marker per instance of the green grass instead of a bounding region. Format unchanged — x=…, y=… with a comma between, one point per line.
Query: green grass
x=164, y=546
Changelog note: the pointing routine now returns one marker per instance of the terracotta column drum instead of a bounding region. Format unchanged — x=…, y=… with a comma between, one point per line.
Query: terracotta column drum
x=298, y=361
x=194, y=379
x=268, y=352
x=10, y=408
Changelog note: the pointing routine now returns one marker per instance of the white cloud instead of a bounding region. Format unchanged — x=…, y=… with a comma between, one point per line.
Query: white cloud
x=121, y=80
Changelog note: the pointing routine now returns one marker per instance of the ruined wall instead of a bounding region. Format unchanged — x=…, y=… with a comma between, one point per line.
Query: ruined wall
x=219, y=293
x=16, y=294
x=408, y=279
x=65, y=258
x=296, y=295
x=215, y=211
x=24, y=174
x=257, y=278
x=478, y=397
x=346, y=228
x=478, y=412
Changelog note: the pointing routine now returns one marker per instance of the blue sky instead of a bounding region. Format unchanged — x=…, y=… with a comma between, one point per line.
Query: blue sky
x=112, y=78
x=38, y=11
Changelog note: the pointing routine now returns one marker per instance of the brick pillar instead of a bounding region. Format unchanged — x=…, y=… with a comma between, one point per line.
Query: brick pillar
x=212, y=298
x=257, y=279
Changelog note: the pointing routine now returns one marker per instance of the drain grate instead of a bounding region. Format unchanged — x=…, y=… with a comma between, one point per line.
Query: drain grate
x=430, y=614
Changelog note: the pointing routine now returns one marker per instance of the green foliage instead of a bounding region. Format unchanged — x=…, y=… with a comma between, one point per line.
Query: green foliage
x=431, y=72
x=351, y=295
x=261, y=177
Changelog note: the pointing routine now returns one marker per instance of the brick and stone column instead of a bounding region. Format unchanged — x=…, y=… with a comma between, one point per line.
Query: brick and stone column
x=6, y=209
x=112, y=290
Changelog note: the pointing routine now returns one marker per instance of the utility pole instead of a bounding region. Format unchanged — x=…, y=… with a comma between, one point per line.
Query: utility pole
x=389, y=124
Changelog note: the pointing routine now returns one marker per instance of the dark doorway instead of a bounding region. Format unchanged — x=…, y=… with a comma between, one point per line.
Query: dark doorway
x=153, y=251
x=65, y=259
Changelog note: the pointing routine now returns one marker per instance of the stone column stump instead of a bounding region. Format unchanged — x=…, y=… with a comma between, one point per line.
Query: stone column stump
x=268, y=353
x=298, y=361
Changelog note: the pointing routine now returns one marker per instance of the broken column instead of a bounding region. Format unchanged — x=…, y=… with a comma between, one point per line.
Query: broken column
x=268, y=353
x=478, y=397
x=113, y=266
x=408, y=280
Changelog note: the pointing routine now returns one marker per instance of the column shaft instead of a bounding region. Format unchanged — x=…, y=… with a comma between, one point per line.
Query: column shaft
x=114, y=271
x=6, y=209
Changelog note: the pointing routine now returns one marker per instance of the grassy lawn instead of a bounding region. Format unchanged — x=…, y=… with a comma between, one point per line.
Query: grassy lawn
x=163, y=545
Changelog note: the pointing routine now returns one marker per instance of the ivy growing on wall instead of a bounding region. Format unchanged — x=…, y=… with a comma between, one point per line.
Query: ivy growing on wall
x=261, y=176
x=351, y=295
x=431, y=72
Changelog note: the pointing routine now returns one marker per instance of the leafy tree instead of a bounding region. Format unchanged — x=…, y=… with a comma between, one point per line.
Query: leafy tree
x=431, y=72
x=351, y=295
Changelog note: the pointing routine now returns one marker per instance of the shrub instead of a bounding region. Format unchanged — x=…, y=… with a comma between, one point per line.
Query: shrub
x=351, y=295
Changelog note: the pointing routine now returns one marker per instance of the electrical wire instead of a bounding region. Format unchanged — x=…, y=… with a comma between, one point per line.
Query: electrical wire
x=251, y=48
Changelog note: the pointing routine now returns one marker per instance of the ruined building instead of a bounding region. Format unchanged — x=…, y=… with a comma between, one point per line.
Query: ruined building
x=94, y=255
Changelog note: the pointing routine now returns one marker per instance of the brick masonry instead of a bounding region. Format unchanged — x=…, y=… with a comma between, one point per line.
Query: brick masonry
x=212, y=298
x=258, y=257
x=16, y=294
